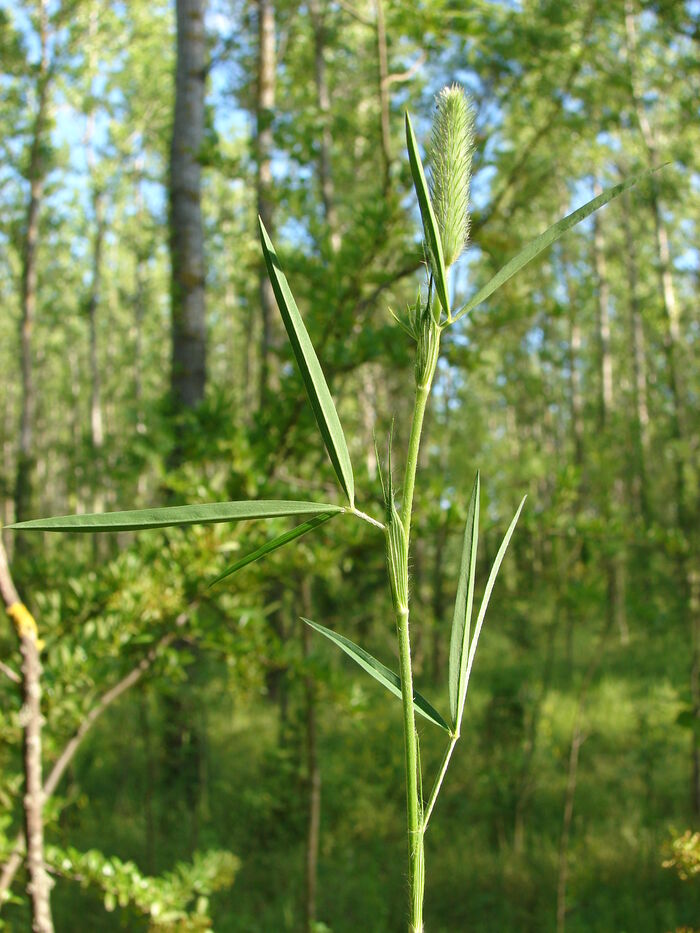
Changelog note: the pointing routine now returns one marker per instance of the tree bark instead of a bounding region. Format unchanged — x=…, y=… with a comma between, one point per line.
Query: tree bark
x=383, y=83
x=313, y=770
x=39, y=887
x=614, y=562
x=603, y=299
x=267, y=72
x=323, y=101
x=188, y=373
x=685, y=507
x=639, y=369
x=36, y=174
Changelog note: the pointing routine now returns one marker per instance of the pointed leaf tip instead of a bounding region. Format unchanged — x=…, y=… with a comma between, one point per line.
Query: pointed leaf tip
x=461, y=620
x=178, y=515
x=314, y=380
x=430, y=227
x=487, y=595
x=376, y=669
x=545, y=239
x=273, y=545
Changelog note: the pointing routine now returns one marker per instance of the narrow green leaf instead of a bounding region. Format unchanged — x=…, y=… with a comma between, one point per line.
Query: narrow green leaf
x=461, y=620
x=273, y=545
x=381, y=673
x=545, y=239
x=312, y=374
x=177, y=515
x=487, y=595
x=430, y=227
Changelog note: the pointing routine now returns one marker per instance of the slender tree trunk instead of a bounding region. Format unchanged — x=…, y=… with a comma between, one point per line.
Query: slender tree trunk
x=383, y=83
x=694, y=605
x=39, y=887
x=666, y=287
x=575, y=390
x=188, y=374
x=267, y=73
x=686, y=510
x=28, y=288
x=93, y=302
x=577, y=739
x=614, y=562
x=313, y=771
x=563, y=875
x=603, y=300
x=639, y=368
x=96, y=420
x=323, y=101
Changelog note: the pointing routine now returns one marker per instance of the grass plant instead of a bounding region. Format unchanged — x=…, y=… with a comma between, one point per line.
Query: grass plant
x=443, y=204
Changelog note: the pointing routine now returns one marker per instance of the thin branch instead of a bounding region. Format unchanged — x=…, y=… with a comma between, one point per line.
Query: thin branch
x=399, y=76
x=64, y=759
x=10, y=673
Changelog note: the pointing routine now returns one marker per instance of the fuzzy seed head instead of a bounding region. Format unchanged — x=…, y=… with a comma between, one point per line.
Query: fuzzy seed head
x=451, y=151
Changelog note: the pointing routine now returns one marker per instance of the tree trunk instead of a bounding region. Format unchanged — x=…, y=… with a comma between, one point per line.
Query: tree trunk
x=639, y=369
x=323, y=100
x=188, y=374
x=575, y=393
x=39, y=887
x=313, y=771
x=383, y=82
x=36, y=176
x=603, y=298
x=614, y=562
x=685, y=508
x=267, y=71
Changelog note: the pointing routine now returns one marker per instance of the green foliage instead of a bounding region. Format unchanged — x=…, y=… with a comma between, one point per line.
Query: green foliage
x=314, y=380
x=684, y=855
x=607, y=542
x=175, y=516
x=163, y=900
x=461, y=620
x=431, y=230
x=550, y=236
x=380, y=673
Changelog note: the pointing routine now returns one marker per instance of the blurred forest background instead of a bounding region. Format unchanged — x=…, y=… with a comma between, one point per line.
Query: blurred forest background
x=226, y=768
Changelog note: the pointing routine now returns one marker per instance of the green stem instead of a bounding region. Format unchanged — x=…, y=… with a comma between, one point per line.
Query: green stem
x=416, y=873
x=413, y=805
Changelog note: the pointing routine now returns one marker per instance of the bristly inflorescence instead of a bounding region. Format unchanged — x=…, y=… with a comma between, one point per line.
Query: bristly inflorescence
x=451, y=152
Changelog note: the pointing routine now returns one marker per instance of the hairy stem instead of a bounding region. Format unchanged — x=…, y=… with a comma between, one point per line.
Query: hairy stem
x=416, y=874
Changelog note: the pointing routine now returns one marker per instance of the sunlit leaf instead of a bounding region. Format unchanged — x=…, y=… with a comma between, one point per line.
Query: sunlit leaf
x=177, y=515
x=312, y=374
x=545, y=239
x=430, y=227
x=381, y=673
x=273, y=545
x=461, y=619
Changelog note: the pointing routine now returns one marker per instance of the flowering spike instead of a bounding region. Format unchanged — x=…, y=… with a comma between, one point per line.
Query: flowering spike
x=451, y=151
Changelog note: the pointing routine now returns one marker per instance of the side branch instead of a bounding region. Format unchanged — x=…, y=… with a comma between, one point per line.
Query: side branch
x=39, y=886
x=66, y=757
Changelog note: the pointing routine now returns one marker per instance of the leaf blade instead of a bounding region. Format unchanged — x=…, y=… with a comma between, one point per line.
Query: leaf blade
x=545, y=239
x=487, y=593
x=379, y=672
x=176, y=516
x=312, y=374
x=430, y=227
x=461, y=619
x=273, y=545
